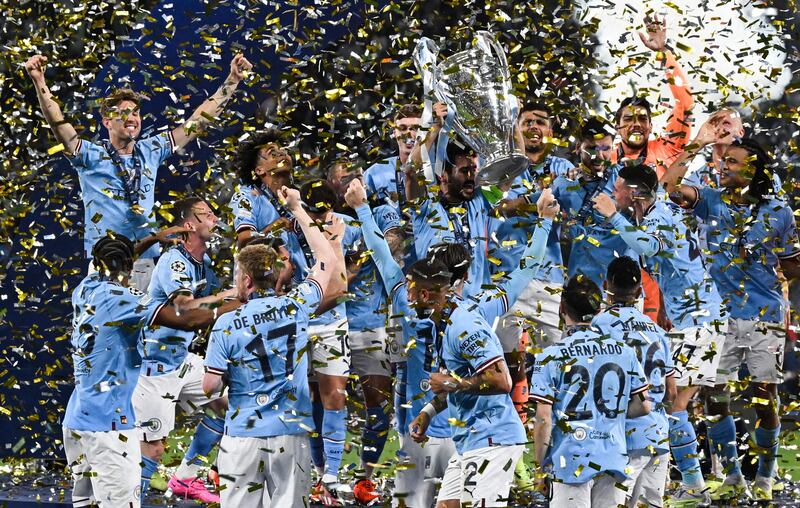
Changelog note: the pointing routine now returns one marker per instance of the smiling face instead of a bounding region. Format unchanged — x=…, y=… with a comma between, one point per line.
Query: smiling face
x=404, y=131
x=535, y=126
x=274, y=166
x=596, y=154
x=123, y=121
x=634, y=126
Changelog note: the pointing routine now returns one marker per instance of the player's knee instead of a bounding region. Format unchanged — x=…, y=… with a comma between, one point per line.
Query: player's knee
x=718, y=402
x=377, y=390
x=219, y=406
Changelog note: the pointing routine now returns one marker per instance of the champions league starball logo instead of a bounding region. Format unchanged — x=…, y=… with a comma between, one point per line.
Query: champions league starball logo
x=178, y=266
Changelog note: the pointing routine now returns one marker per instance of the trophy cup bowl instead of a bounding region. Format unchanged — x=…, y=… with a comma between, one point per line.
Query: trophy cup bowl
x=476, y=84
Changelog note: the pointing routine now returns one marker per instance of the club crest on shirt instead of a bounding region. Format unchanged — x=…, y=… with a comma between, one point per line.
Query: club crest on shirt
x=425, y=385
x=579, y=434
x=178, y=266
x=262, y=399
x=242, y=201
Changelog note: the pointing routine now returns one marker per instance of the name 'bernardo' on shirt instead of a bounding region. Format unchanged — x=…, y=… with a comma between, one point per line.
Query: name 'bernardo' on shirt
x=591, y=349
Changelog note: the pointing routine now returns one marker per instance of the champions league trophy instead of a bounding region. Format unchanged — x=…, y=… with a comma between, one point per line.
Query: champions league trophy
x=476, y=87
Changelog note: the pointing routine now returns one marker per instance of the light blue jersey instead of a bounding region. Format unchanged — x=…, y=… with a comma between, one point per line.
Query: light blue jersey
x=593, y=242
x=104, y=191
x=413, y=390
x=589, y=380
x=263, y=347
x=106, y=326
x=468, y=346
x=380, y=179
x=177, y=272
x=509, y=236
x=624, y=323
x=254, y=208
x=350, y=242
x=465, y=223
x=672, y=258
x=366, y=310
x=746, y=245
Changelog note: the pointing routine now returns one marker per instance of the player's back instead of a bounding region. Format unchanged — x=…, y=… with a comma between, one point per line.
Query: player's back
x=107, y=324
x=265, y=346
x=627, y=324
x=589, y=380
x=690, y=294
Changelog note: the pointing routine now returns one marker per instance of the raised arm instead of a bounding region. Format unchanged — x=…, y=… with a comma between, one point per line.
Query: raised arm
x=531, y=262
x=642, y=242
x=671, y=180
x=678, y=128
x=440, y=113
x=388, y=268
x=328, y=269
x=212, y=106
x=64, y=131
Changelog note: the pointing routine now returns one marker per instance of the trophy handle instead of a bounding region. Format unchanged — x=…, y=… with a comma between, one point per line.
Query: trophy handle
x=489, y=44
x=425, y=55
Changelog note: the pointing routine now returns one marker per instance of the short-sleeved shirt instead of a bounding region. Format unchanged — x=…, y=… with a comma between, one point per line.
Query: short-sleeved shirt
x=106, y=204
x=366, y=310
x=593, y=242
x=380, y=179
x=252, y=209
x=469, y=347
x=433, y=224
x=106, y=326
x=746, y=244
x=627, y=324
x=263, y=347
x=589, y=380
x=176, y=272
x=350, y=241
x=509, y=235
x=690, y=295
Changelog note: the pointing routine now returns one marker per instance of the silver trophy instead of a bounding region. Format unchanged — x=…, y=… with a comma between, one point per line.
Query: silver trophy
x=476, y=87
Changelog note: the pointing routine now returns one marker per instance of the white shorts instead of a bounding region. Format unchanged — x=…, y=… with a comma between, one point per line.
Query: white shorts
x=394, y=341
x=331, y=349
x=696, y=353
x=105, y=466
x=262, y=472
x=536, y=310
x=481, y=477
x=420, y=470
x=369, y=352
x=601, y=490
x=155, y=397
x=758, y=344
x=648, y=478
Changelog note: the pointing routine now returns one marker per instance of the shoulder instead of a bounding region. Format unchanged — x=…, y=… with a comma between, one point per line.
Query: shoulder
x=559, y=165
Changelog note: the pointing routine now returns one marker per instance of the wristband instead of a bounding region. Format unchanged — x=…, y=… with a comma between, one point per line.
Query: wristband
x=429, y=410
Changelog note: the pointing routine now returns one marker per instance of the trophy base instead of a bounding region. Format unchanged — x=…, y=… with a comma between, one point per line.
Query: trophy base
x=502, y=170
